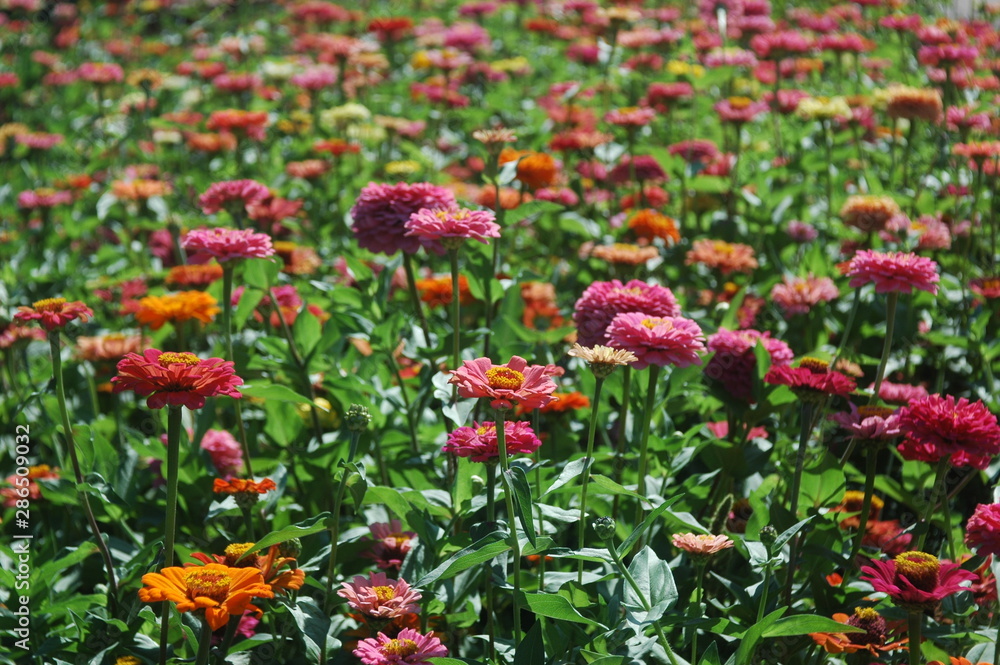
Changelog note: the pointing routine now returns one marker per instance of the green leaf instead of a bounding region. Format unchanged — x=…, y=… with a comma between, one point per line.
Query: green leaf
x=260, y=273
x=786, y=535
x=517, y=484
x=612, y=487
x=357, y=482
x=656, y=583
x=803, y=624
x=711, y=655
x=314, y=625
x=248, y=303
x=556, y=607
x=266, y=391
x=531, y=650
x=750, y=639
x=304, y=528
x=481, y=551
x=306, y=331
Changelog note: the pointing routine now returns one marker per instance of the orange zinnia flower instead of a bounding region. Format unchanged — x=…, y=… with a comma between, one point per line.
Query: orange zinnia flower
x=436, y=291
x=648, y=224
x=270, y=565
x=537, y=170
x=194, y=275
x=219, y=590
x=155, y=311
x=243, y=486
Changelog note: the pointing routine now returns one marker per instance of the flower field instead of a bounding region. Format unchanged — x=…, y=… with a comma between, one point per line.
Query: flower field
x=522, y=332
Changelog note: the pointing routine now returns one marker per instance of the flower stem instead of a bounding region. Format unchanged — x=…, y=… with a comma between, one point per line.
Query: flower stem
x=173, y=469
x=620, y=444
x=925, y=524
x=764, y=587
x=647, y=417
x=411, y=288
x=456, y=350
x=491, y=517
x=914, y=620
x=248, y=523
x=335, y=517
x=847, y=328
x=866, y=503
x=227, y=329
x=204, y=644
x=890, y=325
x=699, y=592
x=515, y=545
x=585, y=480
x=805, y=430
x=78, y=472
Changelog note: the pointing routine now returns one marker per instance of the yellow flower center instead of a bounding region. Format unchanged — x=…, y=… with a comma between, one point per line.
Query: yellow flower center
x=920, y=568
x=814, y=365
x=384, y=593
x=634, y=291
x=655, y=321
x=740, y=102
x=208, y=583
x=49, y=305
x=504, y=378
x=234, y=551
x=866, y=613
x=400, y=648
x=483, y=429
x=183, y=358
x=724, y=247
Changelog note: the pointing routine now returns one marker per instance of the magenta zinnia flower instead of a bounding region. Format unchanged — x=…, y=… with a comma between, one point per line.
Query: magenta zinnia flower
x=226, y=244
x=479, y=442
x=870, y=423
x=982, y=531
x=513, y=384
x=379, y=597
x=409, y=647
x=390, y=544
x=667, y=340
x=893, y=271
x=381, y=212
x=225, y=451
x=603, y=300
x=734, y=364
x=452, y=227
x=916, y=581
x=812, y=380
x=938, y=426
x=177, y=379
x=232, y=195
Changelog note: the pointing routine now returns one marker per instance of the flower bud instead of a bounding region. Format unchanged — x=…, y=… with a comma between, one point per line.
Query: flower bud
x=357, y=418
x=768, y=536
x=605, y=528
x=290, y=549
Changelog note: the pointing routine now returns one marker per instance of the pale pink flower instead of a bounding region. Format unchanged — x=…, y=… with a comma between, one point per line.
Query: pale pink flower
x=797, y=295
x=409, y=647
x=656, y=340
x=451, y=227
x=701, y=544
x=893, y=272
x=380, y=597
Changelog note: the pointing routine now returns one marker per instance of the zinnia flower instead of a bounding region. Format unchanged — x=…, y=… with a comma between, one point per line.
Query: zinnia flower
x=409, y=647
x=874, y=639
x=870, y=424
x=938, y=426
x=982, y=531
x=657, y=340
x=512, y=384
x=54, y=313
x=226, y=244
x=726, y=256
x=701, y=545
x=381, y=212
x=156, y=311
x=452, y=227
x=602, y=301
x=479, y=442
x=869, y=213
x=893, y=271
x=603, y=360
x=221, y=591
x=390, y=544
x=812, y=380
x=177, y=379
x=232, y=195
x=797, y=295
x=380, y=597
x=224, y=450
x=916, y=581
x=734, y=363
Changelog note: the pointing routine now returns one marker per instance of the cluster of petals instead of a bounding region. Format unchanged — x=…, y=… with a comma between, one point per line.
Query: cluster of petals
x=916, y=581
x=734, y=364
x=479, y=442
x=808, y=383
x=380, y=597
x=224, y=244
x=223, y=195
x=54, y=313
x=221, y=591
x=655, y=340
x=870, y=423
x=602, y=301
x=701, y=544
x=893, y=272
x=390, y=544
x=409, y=647
x=381, y=212
x=447, y=226
x=514, y=383
x=175, y=379
x=797, y=295
x=982, y=531
x=939, y=426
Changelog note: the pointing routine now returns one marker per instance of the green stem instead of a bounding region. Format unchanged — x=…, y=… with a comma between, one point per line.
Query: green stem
x=647, y=417
x=227, y=329
x=248, y=523
x=456, y=350
x=227, y=640
x=173, y=469
x=866, y=503
x=764, y=587
x=411, y=289
x=335, y=517
x=805, y=429
x=890, y=325
x=699, y=592
x=620, y=444
x=585, y=480
x=78, y=472
x=847, y=328
x=204, y=644
x=491, y=517
x=914, y=621
x=925, y=525
x=515, y=545
x=410, y=425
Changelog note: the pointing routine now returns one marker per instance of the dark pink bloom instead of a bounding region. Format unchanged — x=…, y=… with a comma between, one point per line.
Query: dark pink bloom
x=657, y=340
x=226, y=244
x=451, y=227
x=513, y=384
x=696, y=150
x=779, y=45
x=601, y=301
x=175, y=379
x=734, y=364
x=232, y=194
x=893, y=271
x=479, y=442
x=54, y=313
x=409, y=647
x=382, y=210
x=899, y=393
x=811, y=381
x=916, y=581
x=739, y=110
x=938, y=426
x=390, y=544
x=982, y=531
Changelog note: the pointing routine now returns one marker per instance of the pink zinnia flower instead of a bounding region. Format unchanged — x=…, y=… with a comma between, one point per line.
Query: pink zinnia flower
x=801, y=232
x=380, y=597
x=797, y=295
x=54, y=313
x=232, y=195
x=916, y=581
x=657, y=340
x=938, y=426
x=177, y=379
x=101, y=73
x=409, y=647
x=225, y=451
x=701, y=151
x=701, y=545
x=479, y=442
x=512, y=384
x=812, y=380
x=226, y=244
x=43, y=198
x=893, y=272
x=899, y=393
x=779, y=45
x=452, y=227
x=870, y=423
x=381, y=212
x=601, y=301
x=734, y=364
x=739, y=110
x=390, y=544
x=982, y=531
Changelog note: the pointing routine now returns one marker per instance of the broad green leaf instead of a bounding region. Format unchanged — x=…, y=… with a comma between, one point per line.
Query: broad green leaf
x=304, y=528
x=314, y=625
x=556, y=607
x=750, y=639
x=531, y=650
x=481, y=551
x=517, y=485
x=656, y=584
x=803, y=624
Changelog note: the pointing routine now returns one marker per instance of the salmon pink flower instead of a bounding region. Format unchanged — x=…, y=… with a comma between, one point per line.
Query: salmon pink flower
x=796, y=295
x=409, y=647
x=938, y=426
x=390, y=544
x=479, y=442
x=916, y=581
x=54, y=313
x=982, y=531
x=897, y=272
x=379, y=597
x=176, y=379
x=655, y=340
x=226, y=244
x=513, y=384
x=701, y=545
x=870, y=424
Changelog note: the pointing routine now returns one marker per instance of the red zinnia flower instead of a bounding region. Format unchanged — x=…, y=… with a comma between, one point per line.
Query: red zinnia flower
x=177, y=379
x=937, y=426
x=813, y=380
x=479, y=442
x=916, y=581
x=982, y=532
x=54, y=312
